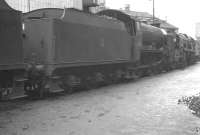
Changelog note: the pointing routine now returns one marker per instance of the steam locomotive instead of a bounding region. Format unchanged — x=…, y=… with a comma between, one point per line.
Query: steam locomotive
x=69, y=49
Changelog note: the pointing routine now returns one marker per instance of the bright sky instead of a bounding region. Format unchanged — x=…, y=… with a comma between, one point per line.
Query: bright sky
x=181, y=13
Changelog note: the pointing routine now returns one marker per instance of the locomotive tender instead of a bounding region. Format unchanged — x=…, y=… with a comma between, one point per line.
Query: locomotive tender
x=12, y=65
x=68, y=48
x=80, y=48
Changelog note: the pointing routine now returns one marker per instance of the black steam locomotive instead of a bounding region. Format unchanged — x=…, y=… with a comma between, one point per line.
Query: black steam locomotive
x=69, y=49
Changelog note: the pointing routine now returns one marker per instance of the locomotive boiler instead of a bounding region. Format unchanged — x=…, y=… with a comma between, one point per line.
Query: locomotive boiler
x=153, y=43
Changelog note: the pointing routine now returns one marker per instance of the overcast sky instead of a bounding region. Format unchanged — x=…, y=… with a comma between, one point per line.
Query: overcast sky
x=181, y=13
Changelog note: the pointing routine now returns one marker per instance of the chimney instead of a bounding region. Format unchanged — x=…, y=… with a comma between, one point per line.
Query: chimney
x=127, y=7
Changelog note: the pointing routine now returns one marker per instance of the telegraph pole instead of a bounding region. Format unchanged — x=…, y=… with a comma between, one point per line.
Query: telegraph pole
x=153, y=11
x=29, y=5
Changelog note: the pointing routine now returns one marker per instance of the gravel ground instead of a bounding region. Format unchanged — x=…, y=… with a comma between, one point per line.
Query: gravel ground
x=148, y=106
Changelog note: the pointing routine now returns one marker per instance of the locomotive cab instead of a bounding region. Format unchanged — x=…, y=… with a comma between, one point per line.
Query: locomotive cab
x=134, y=29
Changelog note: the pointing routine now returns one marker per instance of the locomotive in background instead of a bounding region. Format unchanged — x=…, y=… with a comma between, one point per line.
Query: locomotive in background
x=71, y=49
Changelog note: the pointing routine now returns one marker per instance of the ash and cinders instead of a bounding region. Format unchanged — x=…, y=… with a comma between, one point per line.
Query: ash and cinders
x=193, y=103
